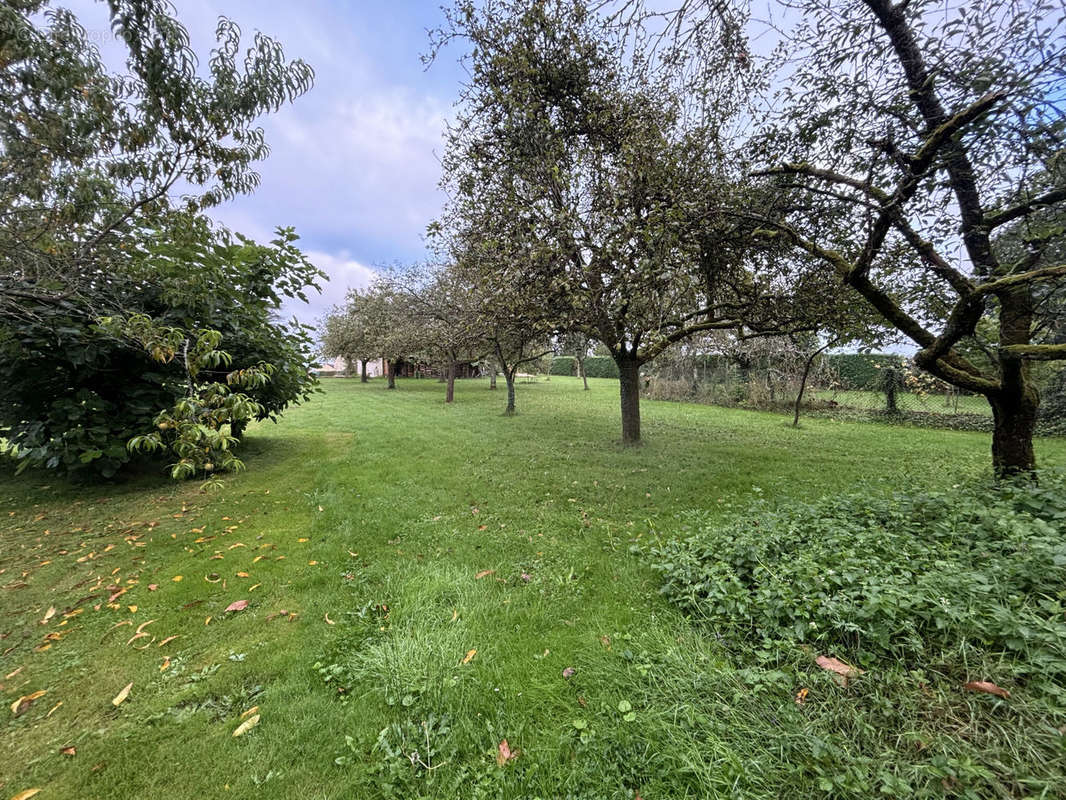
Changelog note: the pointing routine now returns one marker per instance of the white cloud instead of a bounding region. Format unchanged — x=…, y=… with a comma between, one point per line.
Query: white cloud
x=344, y=273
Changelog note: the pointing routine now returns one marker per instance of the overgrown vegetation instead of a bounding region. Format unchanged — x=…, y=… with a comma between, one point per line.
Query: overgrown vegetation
x=930, y=593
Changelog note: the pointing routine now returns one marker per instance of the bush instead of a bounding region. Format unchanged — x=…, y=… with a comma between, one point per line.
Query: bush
x=563, y=365
x=600, y=367
x=916, y=577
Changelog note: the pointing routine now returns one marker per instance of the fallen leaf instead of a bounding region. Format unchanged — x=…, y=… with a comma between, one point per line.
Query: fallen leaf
x=328, y=620
x=25, y=794
x=69, y=751
x=120, y=698
x=166, y=663
x=801, y=696
x=250, y=711
x=987, y=687
x=247, y=725
x=53, y=709
x=21, y=705
x=168, y=639
x=51, y=612
x=505, y=754
x=301, y=540
x=144, y=625
x=153, y=586
x=177, y=579
x=842, y=672
x=254, y=587
x=133, y=609
x=484, y=573
x=12, y=674
x=312, y=563
x=469, y=656
x=237, y=605
x=243, y=575
x=455, y=616
x=568, y=673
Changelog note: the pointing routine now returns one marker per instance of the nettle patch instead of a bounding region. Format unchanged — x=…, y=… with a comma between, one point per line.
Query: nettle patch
x=923, y=578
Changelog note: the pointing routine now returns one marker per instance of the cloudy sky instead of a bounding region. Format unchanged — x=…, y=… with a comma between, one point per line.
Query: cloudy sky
x=354, y=163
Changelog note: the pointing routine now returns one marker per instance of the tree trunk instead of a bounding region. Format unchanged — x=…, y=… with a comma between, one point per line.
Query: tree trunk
x=390, y=367
x=1015, y=405
x=629, y=390
x=492, y=378
x=803, y=382
x=450, y=395
x=581, y=372
x=362, y=372
x=1014, y=411
x=236, y=429
x=509, y=375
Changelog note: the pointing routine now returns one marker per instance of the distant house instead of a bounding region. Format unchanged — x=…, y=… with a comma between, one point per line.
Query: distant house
x=339, y=368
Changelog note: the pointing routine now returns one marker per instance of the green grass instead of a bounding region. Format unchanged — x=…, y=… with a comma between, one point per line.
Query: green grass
x=376, y=511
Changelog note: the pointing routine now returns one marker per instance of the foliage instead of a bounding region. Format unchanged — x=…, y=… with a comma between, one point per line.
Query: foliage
x=563, y=365
x=193, y=429
x=926, y=578
x=601, y=367
x=861, y=370
x=101, y=216
x=74, y=392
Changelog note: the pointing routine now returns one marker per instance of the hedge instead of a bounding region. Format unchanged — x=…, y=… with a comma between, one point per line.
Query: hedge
x=563, y=365
x=861, y=370
x=600, y=367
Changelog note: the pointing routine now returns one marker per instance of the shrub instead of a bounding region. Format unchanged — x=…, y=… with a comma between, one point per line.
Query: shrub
x=601, y=367
x=563, y=365
x=912, y=577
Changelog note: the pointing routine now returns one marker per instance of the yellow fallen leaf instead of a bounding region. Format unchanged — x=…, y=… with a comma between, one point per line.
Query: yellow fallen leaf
x=469, y=655
x=253, y=588
x=168, y=639
x=258, y=558
x=311, y=563
x=17, y=707
x=164, y=665
x=51, y=612
x=247, y=725
x=237, y=544
x=243, y=575
x=11, y=675
x=120, y=698
x=302, y=539
x=484, y=573
x=328, y=620
x=207, y=621
x=249, y=712
x=53, y=709
x=25, y=794
x=133, y=609
x=176, y=579
x=455, y=614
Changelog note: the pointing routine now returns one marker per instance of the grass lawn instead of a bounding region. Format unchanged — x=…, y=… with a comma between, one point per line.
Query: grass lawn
x=418, y=578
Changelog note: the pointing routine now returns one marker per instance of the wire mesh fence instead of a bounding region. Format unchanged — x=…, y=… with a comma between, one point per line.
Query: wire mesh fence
x=850, y=386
